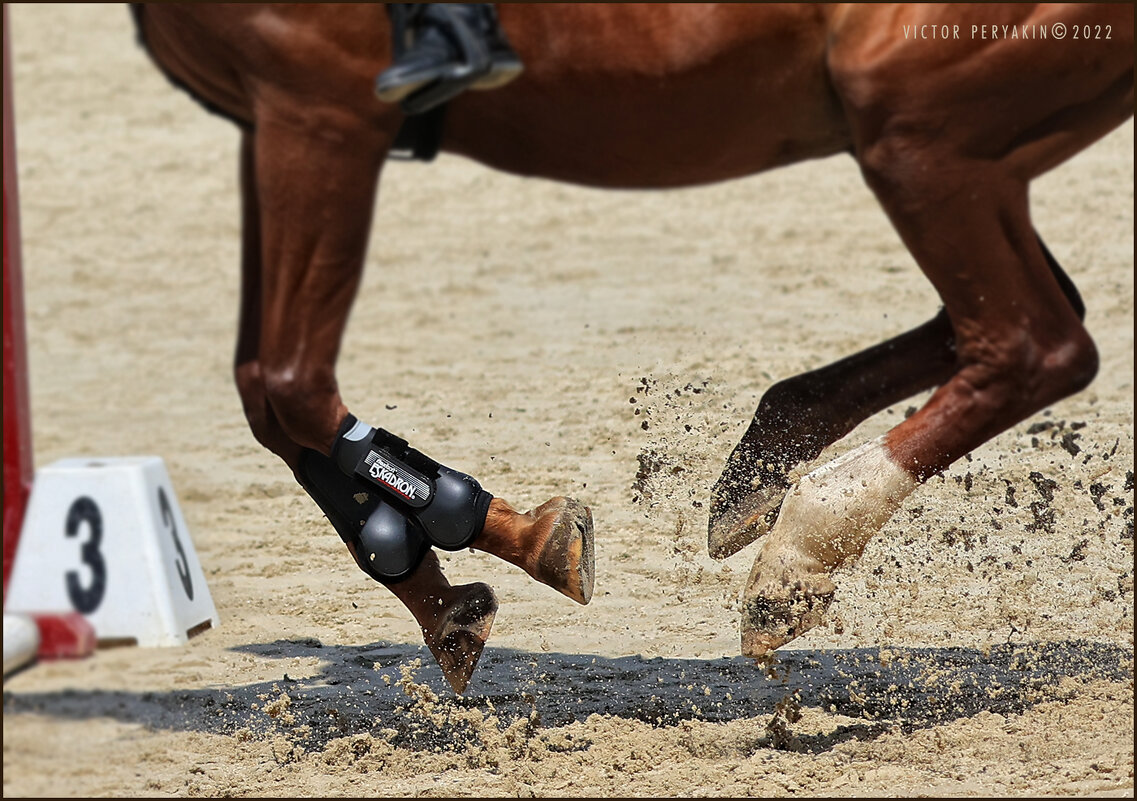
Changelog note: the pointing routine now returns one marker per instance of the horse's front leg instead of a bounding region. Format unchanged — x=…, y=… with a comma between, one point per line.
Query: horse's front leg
x=455, y=620
x=310, y=193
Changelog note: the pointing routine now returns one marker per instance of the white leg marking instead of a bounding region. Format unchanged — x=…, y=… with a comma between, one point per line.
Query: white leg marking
x=832, y=513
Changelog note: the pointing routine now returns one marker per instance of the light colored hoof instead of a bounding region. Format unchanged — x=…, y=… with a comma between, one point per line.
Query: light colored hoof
x=770, y=622
x=567, y=560
x=461, y=635
x=743, y=522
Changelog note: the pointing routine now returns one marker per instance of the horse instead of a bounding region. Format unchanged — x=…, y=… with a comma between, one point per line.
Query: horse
x=949, y=112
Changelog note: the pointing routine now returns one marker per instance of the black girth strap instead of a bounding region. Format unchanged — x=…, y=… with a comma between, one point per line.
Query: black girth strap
x=420, y=138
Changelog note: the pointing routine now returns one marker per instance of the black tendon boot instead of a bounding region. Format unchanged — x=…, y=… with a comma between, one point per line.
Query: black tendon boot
x=440, y=50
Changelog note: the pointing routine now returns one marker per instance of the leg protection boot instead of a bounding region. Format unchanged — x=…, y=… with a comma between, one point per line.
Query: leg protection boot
x=387, y=544
x=448, y=506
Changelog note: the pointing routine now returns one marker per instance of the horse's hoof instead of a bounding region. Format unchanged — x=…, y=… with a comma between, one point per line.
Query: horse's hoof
x=771, y=621
x=566, y=561
x=461, y=634
x=741, y=523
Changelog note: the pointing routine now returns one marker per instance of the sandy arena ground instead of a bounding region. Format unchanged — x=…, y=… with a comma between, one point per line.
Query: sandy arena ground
x=983, y=645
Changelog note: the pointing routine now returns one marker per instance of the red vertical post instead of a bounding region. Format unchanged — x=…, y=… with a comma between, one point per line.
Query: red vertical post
x=18, y=467
x=62, y=634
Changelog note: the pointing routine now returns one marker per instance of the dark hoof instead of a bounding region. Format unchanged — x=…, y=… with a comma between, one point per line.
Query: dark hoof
x=741, y=523
x=461, y=635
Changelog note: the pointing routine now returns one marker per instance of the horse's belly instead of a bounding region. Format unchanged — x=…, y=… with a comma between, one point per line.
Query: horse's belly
x=643, y=144
x=656, y=96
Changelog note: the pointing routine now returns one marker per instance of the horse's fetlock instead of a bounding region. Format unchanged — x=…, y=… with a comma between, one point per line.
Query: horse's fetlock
x=1064, y=364
x=789, y=397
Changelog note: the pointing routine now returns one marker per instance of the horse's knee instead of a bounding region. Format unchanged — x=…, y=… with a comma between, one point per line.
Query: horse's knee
x=305, y=403
x=258, y=413
x=251, y=388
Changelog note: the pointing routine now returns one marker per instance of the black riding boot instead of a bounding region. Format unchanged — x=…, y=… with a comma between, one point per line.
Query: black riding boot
x=441, y=49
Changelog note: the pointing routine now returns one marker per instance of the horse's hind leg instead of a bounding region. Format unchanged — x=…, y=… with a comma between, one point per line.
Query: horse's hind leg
x=801, y=416
x=1021, y=346
x=1020, y=342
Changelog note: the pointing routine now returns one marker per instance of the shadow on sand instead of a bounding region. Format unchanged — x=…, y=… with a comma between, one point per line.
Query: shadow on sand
x=883, y=688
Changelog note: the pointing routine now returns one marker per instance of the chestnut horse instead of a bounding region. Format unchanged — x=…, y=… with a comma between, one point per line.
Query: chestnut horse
x=950, y=112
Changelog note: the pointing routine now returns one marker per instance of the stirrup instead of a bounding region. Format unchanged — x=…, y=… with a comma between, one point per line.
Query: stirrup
x=445, y=50
x=458, y=47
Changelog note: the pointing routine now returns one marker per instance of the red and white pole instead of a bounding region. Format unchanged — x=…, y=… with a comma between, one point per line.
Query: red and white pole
x=57, y=633
x=18, y=467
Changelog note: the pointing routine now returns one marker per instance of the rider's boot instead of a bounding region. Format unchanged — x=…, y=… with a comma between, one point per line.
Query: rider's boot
x=442, y=49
